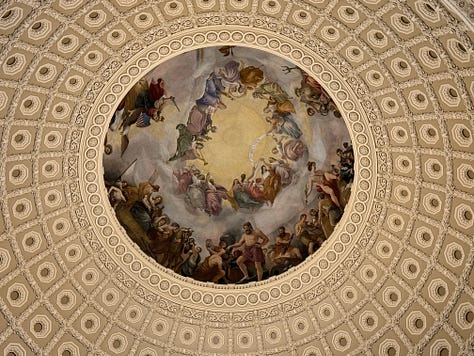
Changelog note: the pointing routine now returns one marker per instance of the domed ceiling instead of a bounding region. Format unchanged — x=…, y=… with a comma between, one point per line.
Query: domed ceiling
x=394, y=278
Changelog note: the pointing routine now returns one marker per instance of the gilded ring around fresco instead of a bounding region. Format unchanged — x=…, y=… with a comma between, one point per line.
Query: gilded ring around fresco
x=228, y=164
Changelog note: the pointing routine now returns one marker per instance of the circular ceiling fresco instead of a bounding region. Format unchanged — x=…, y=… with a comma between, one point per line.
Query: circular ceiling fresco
x=228, y=164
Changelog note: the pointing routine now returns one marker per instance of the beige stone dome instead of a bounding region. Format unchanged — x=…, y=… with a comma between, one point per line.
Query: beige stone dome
x=394, y=279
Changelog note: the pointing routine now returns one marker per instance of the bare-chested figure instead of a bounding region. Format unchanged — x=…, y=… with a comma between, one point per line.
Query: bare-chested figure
x=309, y=232
x=283, y=250
x=212, y=268
x=253, y=240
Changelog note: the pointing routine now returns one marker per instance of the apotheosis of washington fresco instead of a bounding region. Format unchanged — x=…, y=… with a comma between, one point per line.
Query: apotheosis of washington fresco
x=228, y=164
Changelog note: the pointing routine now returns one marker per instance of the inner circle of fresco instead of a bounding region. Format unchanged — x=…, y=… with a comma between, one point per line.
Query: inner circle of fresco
x=218, y=137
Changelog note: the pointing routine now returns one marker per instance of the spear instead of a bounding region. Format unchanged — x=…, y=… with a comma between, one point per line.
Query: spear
x=289, y=242
x=174, y=102
x=126, y=169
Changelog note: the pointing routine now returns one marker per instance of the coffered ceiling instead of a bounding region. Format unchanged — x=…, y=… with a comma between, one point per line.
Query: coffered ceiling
x=395, y=278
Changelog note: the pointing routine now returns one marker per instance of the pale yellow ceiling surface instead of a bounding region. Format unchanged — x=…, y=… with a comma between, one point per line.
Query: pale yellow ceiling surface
x=394, y=279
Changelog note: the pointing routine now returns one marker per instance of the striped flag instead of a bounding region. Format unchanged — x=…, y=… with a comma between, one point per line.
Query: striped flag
x=143, y=120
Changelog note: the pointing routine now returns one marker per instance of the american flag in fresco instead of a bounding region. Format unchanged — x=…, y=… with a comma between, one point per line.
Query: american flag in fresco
x=143, y=120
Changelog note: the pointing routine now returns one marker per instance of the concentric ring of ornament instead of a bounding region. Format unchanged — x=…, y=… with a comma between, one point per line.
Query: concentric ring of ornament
x=106, y=223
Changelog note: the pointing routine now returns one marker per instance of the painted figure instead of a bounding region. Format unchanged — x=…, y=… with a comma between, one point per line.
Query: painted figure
x=214, y=195
x=143, y=210
x=242, y=198
x=212, y=92
x=211, y=269
x=184, y=142
x=252, y=240
x=284, y=124
x=324, y=182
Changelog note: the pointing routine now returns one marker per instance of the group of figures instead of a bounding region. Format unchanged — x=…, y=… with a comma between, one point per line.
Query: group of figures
x=200, y=191
x=231, y=81
x=141, y=211
x=269, y=174
x=152, y=214
x=266, y=180
x=143, y=104
x=313, y=95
